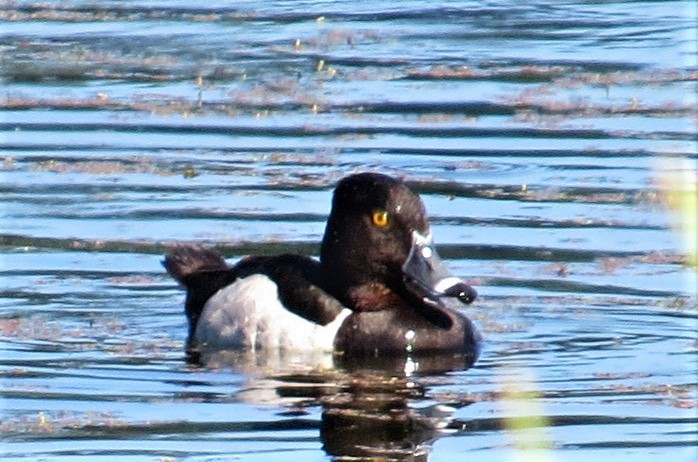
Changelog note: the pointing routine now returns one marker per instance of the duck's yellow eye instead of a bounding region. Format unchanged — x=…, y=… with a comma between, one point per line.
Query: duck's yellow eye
x=380, y=218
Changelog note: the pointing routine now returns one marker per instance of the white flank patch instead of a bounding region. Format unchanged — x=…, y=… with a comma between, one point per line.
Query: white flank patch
x=248, y=315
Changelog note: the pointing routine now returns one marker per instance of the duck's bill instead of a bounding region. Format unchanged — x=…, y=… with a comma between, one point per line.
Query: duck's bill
x=428, y=278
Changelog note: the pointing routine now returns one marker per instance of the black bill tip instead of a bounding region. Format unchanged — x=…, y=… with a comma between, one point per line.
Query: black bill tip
x=462, y=291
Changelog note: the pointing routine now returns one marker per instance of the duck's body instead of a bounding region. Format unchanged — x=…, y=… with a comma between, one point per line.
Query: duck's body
x=378, y=288
x=248, y=314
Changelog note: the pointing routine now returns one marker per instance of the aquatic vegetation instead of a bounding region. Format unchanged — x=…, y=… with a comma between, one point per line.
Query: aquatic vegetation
x=678, y=179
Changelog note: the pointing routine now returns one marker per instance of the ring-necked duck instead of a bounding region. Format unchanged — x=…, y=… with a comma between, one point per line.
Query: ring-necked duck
x=378, y=289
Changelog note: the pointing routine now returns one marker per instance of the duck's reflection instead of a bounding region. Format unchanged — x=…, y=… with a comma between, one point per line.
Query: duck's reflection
x=373, y=419
x=370, y=406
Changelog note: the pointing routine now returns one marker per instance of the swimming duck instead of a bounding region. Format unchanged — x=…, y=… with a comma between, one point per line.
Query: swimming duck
x=379, y=287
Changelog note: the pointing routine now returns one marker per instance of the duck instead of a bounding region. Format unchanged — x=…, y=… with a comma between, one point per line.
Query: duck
x=379, y=288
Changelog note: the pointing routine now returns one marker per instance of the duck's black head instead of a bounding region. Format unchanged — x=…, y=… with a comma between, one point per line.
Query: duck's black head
x=378, y=246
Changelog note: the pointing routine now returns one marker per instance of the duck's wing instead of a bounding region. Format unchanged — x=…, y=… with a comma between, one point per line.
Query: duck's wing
x=299, y=284
x=203, y=272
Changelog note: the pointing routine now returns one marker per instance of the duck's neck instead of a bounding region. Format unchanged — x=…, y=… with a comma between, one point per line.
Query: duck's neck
x=337, y=263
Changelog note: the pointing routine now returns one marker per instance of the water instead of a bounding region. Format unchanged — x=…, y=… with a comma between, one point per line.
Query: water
x=542, y=136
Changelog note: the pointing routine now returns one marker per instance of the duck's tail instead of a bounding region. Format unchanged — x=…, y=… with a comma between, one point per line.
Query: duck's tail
x=185, y=260
x=201, y=272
